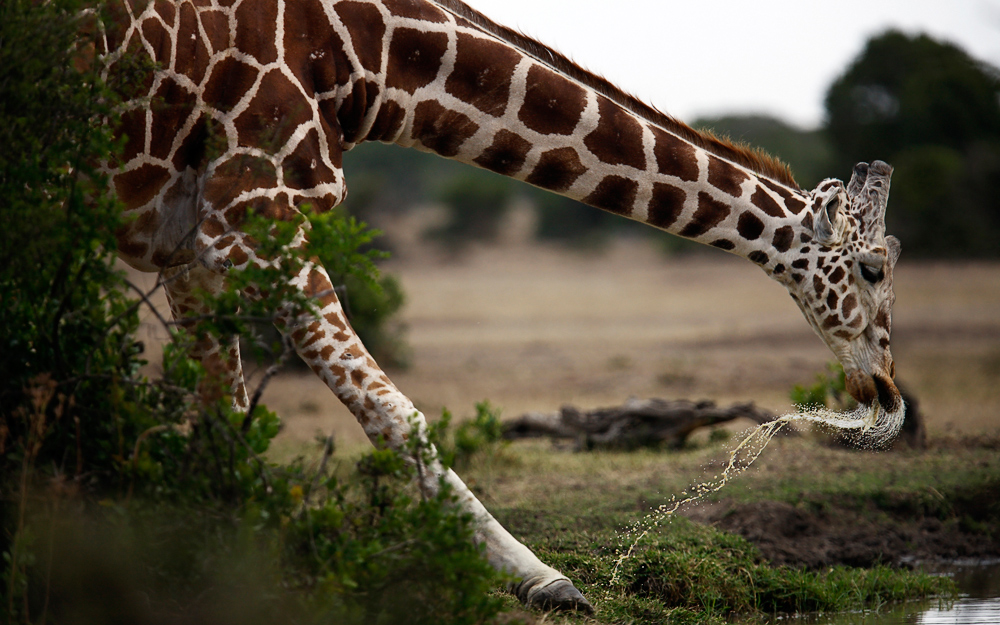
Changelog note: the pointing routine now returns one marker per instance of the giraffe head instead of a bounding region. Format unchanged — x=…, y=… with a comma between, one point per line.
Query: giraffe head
x=845, y=290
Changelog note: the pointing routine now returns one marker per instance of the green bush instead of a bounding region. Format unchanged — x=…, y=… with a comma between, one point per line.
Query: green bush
x=476, y=203
x=829, y=390
x=128, y=499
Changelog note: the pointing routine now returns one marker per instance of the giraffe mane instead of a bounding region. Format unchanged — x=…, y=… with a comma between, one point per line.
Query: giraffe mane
x=753, y=158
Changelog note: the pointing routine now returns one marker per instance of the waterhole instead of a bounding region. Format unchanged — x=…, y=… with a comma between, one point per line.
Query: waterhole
x=978, y=603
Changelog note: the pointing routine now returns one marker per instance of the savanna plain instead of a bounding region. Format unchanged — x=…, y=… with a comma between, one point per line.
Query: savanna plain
x=531, y=328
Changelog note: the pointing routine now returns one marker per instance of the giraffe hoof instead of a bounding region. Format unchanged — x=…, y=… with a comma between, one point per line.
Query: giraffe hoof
x=560, y=596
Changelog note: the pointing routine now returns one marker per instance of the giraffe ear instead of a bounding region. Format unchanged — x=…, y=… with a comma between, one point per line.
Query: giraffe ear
x=828, y=221
x=895, y=248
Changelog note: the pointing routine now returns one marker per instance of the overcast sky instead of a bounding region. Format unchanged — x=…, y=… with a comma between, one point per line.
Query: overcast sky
x=709, y=57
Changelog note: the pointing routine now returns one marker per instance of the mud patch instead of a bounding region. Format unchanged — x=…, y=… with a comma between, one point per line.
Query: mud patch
x=804, y=537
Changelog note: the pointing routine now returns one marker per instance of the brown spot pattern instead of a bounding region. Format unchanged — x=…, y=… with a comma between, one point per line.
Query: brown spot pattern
x=230, y=178
x=388, y=122
x=365, y=23
x=783, y=237
x=482, y=74
x=666, y=205
x=506, y=154
x=216, y=25
x=422, y=11
x=229, y=81
x=725, y=177
x=749, y=226
x=819, y=287
x=850, y=302
x=614, y=194
x=192, y=55
x=766, y=203
x=708, y=215
x=617, y=140
x=552, y=104
x=238, y=255
x=557, y=169
x=271, y=118
x=304, y=167
x=133, y=126
x=414, y=58
x=882, y=320
x=674, y=157
x=192, y=149
x=807, y=222
x=440, y=129
x=255, y=30
x=172, y=105
x=154, y=32
x=165, y=10
x=137, y=187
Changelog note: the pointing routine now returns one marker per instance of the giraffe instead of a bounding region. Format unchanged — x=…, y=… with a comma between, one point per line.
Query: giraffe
x=281, y=89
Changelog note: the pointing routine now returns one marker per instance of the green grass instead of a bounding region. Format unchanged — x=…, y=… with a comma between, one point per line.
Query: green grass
x=688, y=573
x=573, y=510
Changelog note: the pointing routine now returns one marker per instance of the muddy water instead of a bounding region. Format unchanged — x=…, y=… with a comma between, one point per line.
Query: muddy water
x=979, y=603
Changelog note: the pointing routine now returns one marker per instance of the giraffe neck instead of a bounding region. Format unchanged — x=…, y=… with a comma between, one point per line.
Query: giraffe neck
x=469, y=90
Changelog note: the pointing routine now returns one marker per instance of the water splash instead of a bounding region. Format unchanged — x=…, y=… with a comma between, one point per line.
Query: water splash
x=866, y=426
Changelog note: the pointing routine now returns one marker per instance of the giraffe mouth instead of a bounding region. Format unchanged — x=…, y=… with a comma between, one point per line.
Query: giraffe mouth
x=869, y=388
x=888, y=395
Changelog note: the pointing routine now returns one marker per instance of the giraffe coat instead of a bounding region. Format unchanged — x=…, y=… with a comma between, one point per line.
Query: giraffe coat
x=253, y=102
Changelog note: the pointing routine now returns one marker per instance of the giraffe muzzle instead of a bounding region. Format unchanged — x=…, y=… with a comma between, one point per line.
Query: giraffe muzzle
x=869, y=388
x=888, y=395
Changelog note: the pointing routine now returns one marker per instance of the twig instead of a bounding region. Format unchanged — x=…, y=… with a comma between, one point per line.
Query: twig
x=321, y=471
x=226, y=431
x=135, y=456
x=144, y=298
x=286, y=348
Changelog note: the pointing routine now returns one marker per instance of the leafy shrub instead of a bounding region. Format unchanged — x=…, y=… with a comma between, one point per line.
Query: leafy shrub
x=829, y=391
x=127, y=499
x=484, y=433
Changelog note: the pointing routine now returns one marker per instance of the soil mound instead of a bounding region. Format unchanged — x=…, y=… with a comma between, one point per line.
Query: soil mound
x=808, y=538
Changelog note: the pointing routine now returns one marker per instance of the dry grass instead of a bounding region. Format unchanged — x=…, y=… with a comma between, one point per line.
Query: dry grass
x=532, y=328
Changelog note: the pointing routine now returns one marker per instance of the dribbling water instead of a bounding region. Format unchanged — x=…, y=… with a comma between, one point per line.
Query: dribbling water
x=866, y=426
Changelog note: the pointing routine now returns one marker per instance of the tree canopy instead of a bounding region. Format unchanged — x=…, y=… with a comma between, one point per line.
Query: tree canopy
x=933, y=112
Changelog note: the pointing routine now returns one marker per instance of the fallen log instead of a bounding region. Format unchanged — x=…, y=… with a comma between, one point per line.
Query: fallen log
x=637, y=423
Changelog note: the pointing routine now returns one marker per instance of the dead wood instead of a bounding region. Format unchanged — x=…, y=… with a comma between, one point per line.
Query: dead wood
x=637, y=423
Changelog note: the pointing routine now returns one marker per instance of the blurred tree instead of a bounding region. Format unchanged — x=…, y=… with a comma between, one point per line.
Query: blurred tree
x=476, y=201
x=807, y=152
x=933, y=112
x=572, y=223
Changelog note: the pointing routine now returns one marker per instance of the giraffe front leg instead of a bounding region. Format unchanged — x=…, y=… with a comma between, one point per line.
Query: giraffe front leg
x=331, y=348
x=223, y=367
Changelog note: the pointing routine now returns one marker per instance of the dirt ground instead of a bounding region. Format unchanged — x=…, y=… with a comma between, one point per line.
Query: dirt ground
x=531, y=328
x=818, y=539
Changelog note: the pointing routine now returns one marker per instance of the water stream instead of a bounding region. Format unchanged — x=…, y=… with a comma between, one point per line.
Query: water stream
x=866, y=426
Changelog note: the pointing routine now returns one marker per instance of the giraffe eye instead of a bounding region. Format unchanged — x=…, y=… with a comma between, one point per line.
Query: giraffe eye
x=871, y=273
